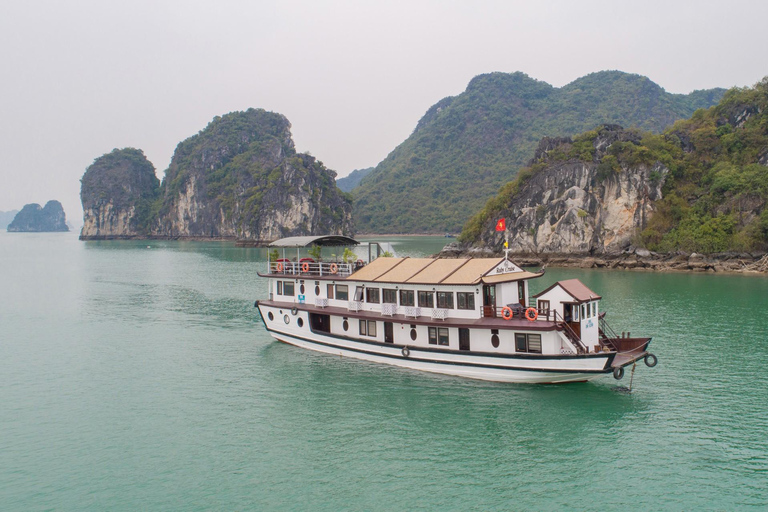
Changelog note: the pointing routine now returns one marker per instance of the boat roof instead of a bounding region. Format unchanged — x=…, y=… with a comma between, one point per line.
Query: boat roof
x=438, y=271
x=323, y=241
x=575, y=289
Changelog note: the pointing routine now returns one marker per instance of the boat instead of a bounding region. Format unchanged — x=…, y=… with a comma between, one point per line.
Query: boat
x=470, y=317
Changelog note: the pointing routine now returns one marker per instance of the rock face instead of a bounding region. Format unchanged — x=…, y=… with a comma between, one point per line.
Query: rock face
x=34, y=218
x=239, y=178
x=576, y=207
x=117, y=192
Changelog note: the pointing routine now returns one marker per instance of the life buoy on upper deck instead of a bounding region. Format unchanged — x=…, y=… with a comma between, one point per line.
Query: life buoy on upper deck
x=279, y=266
x=305, y=267
x=506, y=313
x=531, y=314
x=334, y=268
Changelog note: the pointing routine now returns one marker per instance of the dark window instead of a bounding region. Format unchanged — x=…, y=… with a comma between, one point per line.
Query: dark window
x=433, y=335
x=271, y=316
x=528, y=343
x=300, y=322
x=301, y=289
x=317, y=290
x=359, y=293
x=389, y=296
x=288, y=288
x=279, y=287
x=465, y=300
x=368, y=328
x=463, y=338
x=426, y=299
x=372, y=295
x=413, y=333
x=330, y=291
x=445, y=300
x=442, y=336
x=342, y=292
x=345, y=325
x=544, y=307
x=406, y=298
x=495, y=340
x=320, y=323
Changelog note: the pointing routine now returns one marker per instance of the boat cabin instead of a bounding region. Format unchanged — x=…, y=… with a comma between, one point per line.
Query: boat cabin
x=572, y=302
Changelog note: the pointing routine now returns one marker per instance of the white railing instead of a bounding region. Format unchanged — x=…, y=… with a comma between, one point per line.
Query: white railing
x=307, y=268
x=411, y=311
x=439, y=314
x=389, y=309
x=355, y=305
x=321, y=302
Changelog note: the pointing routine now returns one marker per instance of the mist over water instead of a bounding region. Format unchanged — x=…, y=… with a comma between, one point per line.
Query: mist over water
x=138, y=376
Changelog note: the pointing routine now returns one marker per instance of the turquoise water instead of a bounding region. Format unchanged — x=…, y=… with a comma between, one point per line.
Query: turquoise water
x=136, y=376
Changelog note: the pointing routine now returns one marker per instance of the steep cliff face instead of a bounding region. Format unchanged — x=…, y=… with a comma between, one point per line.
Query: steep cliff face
x=568, y=205
x=241, y=178
x=117, y=192
x=36, y=218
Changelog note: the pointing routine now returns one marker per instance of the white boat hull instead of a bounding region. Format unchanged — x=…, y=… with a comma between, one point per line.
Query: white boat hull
x=519, y=369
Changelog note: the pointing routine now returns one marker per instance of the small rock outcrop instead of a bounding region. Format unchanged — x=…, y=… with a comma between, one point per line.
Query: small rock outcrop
x=36, y=218
x=118, y=191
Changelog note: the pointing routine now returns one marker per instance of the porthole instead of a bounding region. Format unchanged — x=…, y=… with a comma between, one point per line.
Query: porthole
x=300, y=322
x=495, y=341
x=301, y=289
x=287, y=319
x=271, y=316
x=345, y=325
x=317, y=290
x=413, y=334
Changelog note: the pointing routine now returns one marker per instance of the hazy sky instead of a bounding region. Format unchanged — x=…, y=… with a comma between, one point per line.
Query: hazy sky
x=80, y=78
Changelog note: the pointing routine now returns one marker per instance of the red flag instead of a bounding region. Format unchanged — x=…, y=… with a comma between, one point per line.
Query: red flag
x=501, y=225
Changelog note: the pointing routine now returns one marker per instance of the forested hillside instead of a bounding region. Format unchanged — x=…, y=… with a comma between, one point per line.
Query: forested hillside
x=713, y=169
x=465, y=147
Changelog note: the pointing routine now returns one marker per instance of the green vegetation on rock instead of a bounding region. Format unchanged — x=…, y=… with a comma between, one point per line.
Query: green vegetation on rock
x=716, y=192
x=466, y=147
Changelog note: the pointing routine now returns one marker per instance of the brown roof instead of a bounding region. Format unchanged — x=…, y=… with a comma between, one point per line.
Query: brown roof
x=575, y=289
x=436, y=271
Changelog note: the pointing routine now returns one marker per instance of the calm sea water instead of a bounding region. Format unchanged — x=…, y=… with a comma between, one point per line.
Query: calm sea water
x=136, y=376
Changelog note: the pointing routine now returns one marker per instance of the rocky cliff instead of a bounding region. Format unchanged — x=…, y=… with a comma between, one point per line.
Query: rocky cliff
x=36, y=218
x=568, y=205
x=239, y=178
x=118, y=191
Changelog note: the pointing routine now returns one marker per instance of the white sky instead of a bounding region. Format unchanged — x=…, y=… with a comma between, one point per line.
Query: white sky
x=80, y=77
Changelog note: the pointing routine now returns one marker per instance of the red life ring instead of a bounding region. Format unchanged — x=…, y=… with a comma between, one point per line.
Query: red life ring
x=334, y=268
x=531, y=314
x=305, y=267
x=506, y=313
x=279, y=266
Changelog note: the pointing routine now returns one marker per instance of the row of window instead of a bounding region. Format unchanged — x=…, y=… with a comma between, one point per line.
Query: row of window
x=588, y=310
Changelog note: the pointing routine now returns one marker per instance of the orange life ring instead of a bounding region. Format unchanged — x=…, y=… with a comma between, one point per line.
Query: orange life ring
x=279, y=266
x=506, y=313
x=305, y=267
x=531, y=314
x=334, y=268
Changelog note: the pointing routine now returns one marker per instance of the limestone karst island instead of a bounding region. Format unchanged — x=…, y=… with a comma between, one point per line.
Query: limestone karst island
x=39, y=219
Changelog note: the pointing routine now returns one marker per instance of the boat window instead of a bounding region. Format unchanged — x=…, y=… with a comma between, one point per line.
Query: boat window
x=288, y=288
x=528, y=343
x=442, y=336
x=389, y=296
x=279, y=287
x=406, y=298
x=544, y=307
x=465, y=300
x=583, y=315
x=330, y=291
x=433, y=335
x=368, y=328
x=342, y=292
x=445, y=300
x=372, y=295
x=495, y=340
x=358, y=293
x=426, y=299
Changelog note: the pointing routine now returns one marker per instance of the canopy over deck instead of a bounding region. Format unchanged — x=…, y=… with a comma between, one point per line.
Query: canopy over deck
x=307, y=241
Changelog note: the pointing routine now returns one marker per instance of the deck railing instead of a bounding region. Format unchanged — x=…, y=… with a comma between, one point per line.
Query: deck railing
x=306, y=268
x=571, y=334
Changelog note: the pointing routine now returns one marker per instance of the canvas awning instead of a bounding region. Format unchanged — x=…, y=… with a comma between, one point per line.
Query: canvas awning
x=308, y=241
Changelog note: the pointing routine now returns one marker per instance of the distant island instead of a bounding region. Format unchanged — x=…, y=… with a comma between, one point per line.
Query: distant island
x=34, y=218
x=349, y=183
x=6, y=218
